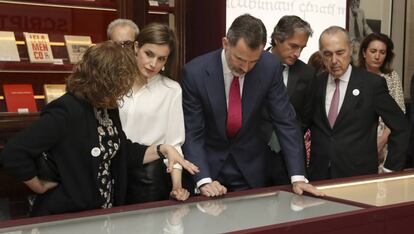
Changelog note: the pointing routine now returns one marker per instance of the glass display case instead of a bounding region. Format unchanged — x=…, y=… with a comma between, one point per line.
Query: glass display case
x=211, y=216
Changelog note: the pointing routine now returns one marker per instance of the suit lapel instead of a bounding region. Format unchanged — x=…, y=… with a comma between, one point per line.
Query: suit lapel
x=324, y=82
x=214, y=84
x=351, y=96
x=293, y=77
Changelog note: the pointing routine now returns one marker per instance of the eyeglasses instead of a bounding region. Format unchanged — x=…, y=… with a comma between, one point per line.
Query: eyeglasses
x=127, y=44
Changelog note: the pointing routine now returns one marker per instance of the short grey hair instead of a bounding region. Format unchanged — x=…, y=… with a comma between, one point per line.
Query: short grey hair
x=121, y=22
x=333, y=30
x=287, y=26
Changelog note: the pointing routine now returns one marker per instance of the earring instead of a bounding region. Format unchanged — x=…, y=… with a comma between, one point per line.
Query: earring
x=163, y=68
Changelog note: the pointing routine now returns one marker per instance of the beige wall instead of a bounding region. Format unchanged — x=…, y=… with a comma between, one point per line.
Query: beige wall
x=397, y=35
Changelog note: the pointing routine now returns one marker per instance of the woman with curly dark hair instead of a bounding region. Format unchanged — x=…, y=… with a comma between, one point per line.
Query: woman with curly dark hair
x=80, y=137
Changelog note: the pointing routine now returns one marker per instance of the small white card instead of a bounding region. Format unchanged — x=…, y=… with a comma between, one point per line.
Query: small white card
x=153, y=3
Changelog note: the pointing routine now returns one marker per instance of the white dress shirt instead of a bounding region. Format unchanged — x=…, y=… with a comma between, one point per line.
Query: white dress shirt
x=228, y=78
x=285, y=74
x=331, y=86
x=154, y=114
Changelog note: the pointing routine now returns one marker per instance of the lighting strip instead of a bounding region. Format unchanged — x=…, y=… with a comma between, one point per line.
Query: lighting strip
x=364, y=182
x=37, y=97
x=59, y=6
x=51, y=43
x=158, y=12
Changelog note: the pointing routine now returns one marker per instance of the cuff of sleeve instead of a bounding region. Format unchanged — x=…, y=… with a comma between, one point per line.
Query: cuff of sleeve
x=297, y=178
x=175, y=166
x=386, y=170
x=201, y=182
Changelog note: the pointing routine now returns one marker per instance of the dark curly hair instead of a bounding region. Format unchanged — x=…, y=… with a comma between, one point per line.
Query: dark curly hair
x=386, y=66
x=104, y=75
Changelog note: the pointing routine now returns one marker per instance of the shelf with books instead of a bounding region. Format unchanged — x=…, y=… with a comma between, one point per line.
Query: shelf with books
x=27, y=67
x=70, y=25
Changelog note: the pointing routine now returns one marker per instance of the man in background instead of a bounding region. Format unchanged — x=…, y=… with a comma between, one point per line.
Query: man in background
x=348, y=102
x=290, y=36
x=124, y=31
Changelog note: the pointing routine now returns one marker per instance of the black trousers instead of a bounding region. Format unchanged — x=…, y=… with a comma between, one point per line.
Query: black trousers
x=150, y=183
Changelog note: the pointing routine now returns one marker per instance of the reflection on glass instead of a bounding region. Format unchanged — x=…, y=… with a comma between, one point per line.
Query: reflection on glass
x=377, y=192
x=298, y=203
x=174, y=224
x=212, y=216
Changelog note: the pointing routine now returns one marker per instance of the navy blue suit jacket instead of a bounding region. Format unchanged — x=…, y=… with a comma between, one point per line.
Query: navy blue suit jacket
x=205, y=114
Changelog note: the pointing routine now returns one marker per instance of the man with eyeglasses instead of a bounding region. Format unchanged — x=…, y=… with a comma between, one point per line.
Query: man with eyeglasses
x=289, y=38
x=124, y=31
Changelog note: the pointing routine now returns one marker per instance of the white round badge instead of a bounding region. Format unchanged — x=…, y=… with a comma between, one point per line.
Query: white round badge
x=355, y=92
x=95, y=151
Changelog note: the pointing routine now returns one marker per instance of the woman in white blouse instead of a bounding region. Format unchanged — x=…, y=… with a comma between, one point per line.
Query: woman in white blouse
x=153, y=114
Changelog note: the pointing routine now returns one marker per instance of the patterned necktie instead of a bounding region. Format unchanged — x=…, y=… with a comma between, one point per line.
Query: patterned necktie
x=333, y=109
x=307, y=139
x=234, y=111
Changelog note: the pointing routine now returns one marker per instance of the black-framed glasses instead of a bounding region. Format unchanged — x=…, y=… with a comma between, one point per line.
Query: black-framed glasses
x=127, y=44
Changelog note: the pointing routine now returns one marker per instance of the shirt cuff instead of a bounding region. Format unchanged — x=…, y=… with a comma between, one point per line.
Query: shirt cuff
x=386, y=170
x=201, y=182
x=297, y=178
x=175, y=166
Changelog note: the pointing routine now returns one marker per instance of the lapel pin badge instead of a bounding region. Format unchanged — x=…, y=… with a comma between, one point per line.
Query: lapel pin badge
x=95, y=151
x=355, y=92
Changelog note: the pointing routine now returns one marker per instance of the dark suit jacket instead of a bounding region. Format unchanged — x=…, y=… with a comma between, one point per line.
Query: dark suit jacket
x=205, y=114
x=67, y=129
x=350, y=148
x=300, y=89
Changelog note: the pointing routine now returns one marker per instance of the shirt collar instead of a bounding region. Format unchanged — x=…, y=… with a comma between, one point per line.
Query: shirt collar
x=226, y=69
x=345, y=77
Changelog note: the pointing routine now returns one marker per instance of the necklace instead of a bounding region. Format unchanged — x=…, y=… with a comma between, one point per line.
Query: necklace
x=102, y=116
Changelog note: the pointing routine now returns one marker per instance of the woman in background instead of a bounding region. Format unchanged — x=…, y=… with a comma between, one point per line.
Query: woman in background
x=315, y=60
x=153, y=114
x=82, y=135
x=376, y=55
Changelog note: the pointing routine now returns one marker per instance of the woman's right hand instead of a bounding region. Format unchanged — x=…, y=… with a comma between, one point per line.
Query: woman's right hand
x=40, y=186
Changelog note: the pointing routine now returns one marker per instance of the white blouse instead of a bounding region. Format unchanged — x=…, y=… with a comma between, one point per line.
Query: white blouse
x=154, y=113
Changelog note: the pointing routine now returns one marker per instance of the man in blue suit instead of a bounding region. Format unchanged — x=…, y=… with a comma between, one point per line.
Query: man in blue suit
x=223, y=94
